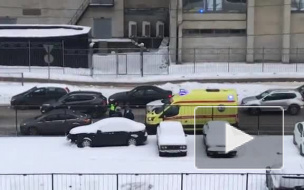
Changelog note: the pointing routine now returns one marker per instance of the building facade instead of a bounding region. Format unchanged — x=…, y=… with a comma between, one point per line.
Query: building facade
x=199, y=30
x=236, y=30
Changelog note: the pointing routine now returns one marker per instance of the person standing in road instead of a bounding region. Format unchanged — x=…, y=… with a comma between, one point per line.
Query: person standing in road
x=112, y=109
x=128, y=113
x=117, y=112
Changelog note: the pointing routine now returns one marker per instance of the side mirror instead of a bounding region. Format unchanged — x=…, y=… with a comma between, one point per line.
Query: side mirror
x=98, y=131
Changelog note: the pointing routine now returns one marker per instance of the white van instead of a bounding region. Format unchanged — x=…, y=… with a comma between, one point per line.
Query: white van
x=171, y=139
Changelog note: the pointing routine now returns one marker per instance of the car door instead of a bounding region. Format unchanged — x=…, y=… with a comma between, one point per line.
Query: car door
x=71, y=121
x=274, y=99
x=37, y=97
x=137, y=98
x=81, y=103
x=53, y=94
x=71, y=102
x=151, y=95
x=53, y=124
x=106, y=136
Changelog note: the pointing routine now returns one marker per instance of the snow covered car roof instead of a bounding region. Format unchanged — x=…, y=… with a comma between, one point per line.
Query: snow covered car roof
x=40, y=31
x=171, y=133
x=110, y=125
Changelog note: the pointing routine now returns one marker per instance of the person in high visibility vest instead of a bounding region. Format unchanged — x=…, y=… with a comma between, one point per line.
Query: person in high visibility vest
x=112, y=109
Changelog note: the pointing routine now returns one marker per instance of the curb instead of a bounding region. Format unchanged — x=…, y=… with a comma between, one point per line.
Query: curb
x=80, y=83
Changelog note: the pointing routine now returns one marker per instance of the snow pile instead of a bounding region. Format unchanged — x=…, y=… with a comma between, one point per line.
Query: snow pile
x=38, y=31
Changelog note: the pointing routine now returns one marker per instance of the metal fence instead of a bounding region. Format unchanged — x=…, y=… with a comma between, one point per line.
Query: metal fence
x=128, y=61
x=166, y=181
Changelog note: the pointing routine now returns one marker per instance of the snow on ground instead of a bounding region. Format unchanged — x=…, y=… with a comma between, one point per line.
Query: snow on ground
x=248, y=89
x=70, y=74
x=56, y=155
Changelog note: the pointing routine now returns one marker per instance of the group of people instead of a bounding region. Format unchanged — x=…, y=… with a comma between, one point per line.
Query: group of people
x=115, y=111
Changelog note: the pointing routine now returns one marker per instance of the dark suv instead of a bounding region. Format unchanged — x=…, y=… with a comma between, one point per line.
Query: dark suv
x=89, y=102
x=36, y=96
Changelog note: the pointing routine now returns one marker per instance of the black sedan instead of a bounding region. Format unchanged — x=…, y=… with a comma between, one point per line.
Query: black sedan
x=35, y=97
x=112, y=131
x=140, y=96
x=56, y=122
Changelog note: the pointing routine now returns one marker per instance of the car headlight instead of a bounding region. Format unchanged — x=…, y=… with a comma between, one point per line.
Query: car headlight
x=183, y=147
x=150, y=118
x=163, y=147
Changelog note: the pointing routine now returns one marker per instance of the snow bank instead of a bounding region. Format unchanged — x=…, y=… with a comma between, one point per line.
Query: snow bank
x=37, y=31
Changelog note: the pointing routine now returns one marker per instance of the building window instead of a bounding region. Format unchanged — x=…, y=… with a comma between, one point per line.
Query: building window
x=297, y=5
x=202, y=6
x=213, y=32
x=31, y=11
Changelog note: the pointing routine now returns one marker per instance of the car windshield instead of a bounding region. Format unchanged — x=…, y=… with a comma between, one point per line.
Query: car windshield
x=262, y=95
x=166, y=101
x=159, y=110
x=62, y=98
x=39, y=117
x=30, y=90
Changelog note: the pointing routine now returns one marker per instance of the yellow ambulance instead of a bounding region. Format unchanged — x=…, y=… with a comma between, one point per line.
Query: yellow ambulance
x=203, y=104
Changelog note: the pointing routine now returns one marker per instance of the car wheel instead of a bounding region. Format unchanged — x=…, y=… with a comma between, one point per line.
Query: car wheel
x=301, y=151
x=33, y=131
x=294, y=140
x=86, y=143
x=254, y=111
x=132, y=142
x=293, y=109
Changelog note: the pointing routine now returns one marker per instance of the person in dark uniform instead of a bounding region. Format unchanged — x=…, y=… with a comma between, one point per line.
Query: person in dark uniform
x=128, y=113
x=117, y=112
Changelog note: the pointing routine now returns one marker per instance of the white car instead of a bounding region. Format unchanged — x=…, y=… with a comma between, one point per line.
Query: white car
x=298, y=136
x=171, y=139
x=214, y=139
x=287, y=178
x=115, y=131
x=289, y=99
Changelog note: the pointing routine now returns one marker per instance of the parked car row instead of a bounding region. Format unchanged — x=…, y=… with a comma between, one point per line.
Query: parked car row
x=171, y=138
x=115, y=131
